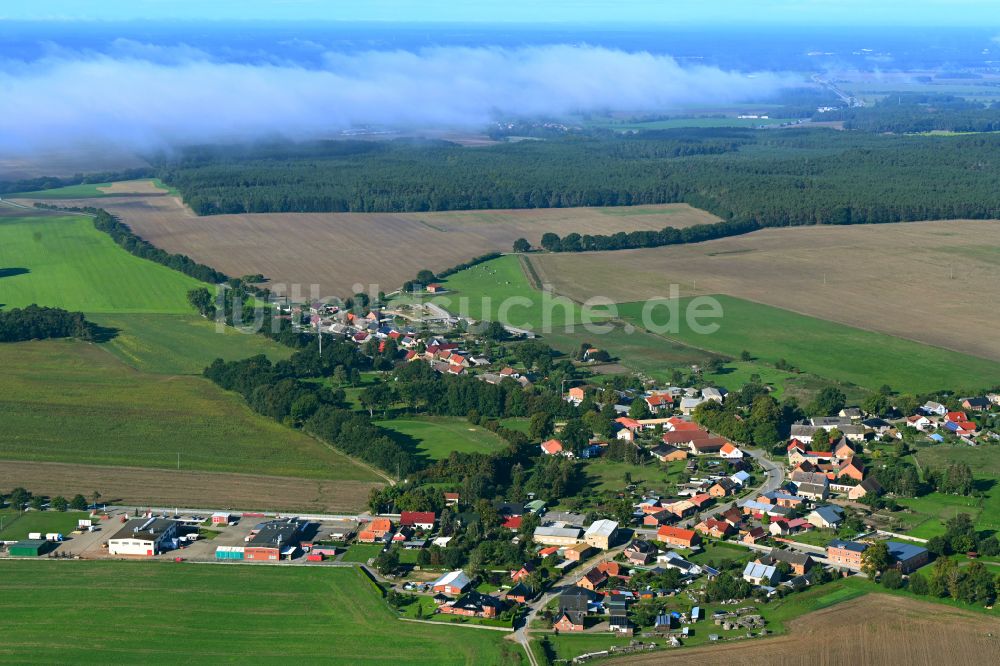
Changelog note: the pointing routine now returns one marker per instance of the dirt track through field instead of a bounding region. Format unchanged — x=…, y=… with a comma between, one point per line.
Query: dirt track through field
x=338, y=250
x=873, y=630
x=933, y=282
x=157, y=487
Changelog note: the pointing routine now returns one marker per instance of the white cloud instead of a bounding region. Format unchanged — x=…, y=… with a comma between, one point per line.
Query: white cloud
x=144, y=96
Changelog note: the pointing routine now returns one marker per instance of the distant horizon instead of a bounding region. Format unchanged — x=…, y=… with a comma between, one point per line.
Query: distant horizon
x=792, y=13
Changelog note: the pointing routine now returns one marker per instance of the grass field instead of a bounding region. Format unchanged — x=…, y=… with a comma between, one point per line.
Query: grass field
x=68, y=263
x=75, y=612
x=62, y=522
x=881, y=277
x=437, y=437
x=825, y=348
x=934, y=509
x=337, y=250
x=181, y=344
x=68, y=401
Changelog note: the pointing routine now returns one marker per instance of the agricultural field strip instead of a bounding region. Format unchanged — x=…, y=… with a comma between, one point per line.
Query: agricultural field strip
x=924, y=281
x=338, y=250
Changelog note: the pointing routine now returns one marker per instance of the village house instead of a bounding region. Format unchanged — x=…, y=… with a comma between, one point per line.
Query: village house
x=869, y=485
x=658, y=402
x=421, y=520
x=677, y=537
x=592, y=580
x=522, y=573
x=473, y=604
x=520, y=593
x=552, y=447
x=576, y=395
x=707, y=446
x=569, y=620
x=754, y=535
x=933, y=408
x=799, y=562
x=852, y=468
x=722, y=488
x=920, y=422
x=713, y=527
x=828, y=516
x=730, y=452
x=761, y=574
x=377, y=530
x=577, y=552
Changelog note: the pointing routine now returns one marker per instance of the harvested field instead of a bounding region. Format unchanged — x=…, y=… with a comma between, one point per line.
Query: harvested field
x=164, y=487
x=873, y=630
x=338, y=250
x=933, y=282
x=124, y=187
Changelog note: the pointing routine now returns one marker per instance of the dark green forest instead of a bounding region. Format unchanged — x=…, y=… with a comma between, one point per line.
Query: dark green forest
x=749, y=177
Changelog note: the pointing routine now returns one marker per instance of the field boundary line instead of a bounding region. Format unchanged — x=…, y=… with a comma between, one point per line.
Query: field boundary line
x=534, y=281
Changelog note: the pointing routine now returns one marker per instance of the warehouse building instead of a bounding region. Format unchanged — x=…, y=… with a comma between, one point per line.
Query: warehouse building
x=273, y=540
x=144, y=536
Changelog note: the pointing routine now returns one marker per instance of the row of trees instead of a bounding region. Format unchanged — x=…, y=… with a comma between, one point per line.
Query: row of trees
x=39, y=323
x=21, y=498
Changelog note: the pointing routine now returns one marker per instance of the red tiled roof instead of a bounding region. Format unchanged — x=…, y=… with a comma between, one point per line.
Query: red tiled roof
x=414, y=517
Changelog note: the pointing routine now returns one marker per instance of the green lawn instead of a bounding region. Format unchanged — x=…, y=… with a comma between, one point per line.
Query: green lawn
x=181, y=344
x=68, y=263
x=68, y=612
x=516, y=423
x=934, y=509
x=436, y=437
x=609, y=475
x=62, y=522
x=362, y=552
x=824, y=348
x=721, y=552
x=70, y=401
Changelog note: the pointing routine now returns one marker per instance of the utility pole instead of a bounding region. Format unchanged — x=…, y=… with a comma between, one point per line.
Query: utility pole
x=178, y=460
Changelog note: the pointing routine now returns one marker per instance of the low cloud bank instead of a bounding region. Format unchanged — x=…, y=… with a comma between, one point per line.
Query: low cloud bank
x=145, y=96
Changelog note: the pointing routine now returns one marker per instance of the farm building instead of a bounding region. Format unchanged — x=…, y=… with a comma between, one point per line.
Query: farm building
x=908, y=557
x=143, y=536
x=422, y=520
x=557, y=536
x=452, y=583
x=845, y=553
x=222, y=518
x=29, y=548
x=601, y=533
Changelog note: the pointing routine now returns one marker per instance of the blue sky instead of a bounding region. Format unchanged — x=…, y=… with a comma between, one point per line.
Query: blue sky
x=975, y=13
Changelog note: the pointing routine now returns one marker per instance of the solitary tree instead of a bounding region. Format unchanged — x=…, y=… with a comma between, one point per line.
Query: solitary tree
x=78, y=503
x=521, y=245
x=875, y=559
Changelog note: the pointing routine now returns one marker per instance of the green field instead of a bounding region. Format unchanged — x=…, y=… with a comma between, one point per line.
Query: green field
x=81, y=612
x=479, y=292
x=70, y=401
x=19, y=527
x=81, y=191
x=437, y=437
x=67, y=263
x=827, y=349
x=181, y=344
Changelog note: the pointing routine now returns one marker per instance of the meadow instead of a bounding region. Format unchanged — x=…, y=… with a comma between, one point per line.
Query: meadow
x=985, y=464
x=74, y=612
x=825, y=348
x=70, y=401
x=65, y=262
x=436, y=437
x=181, y=344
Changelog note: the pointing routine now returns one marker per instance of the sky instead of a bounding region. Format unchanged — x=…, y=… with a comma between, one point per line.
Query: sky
x=675, y=12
